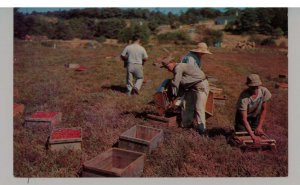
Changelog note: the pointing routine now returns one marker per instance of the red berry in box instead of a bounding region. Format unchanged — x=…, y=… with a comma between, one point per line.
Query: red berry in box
x=44, y=114
x=65, y=134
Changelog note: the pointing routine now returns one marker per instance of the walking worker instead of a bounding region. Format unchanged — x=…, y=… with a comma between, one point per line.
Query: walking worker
x=194, y=56
x=134, y=57
x=252, y=108
x=195, y=84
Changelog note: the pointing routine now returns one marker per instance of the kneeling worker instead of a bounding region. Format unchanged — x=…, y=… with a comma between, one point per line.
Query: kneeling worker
x=252, y=108
x=195, y=85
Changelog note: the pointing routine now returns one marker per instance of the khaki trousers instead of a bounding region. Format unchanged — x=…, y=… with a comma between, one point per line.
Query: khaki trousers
x=194, y=102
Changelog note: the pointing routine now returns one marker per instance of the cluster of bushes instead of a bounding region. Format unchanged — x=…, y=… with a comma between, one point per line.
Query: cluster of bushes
x=269, y=41
x=91, y=23
x=268, y=21
x=142, y=31
x=100, y=23
x=213, y=37
x=176, y=37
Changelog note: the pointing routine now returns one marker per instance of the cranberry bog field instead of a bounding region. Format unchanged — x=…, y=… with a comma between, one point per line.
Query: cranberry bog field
x=95, y=100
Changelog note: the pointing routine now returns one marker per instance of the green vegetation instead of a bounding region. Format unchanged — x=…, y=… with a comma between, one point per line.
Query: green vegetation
x=136, y=28
x=213, y=37
x=175, y=37
x=268, y=21
x=91, y=23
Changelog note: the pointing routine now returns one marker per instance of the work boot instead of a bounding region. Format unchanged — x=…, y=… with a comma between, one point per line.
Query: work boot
x=135, y=91
x=201, y=129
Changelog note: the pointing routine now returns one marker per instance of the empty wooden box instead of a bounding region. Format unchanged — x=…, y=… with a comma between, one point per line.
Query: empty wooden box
x=115, y=162
x=141, y=138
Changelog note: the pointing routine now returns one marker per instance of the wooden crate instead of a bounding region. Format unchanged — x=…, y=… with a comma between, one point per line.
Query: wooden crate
x=163, y=121
x=115, y=162
x=161, y=102
x=220, y=100
x=141, y=138
x=216, y=90
x=244, y=141
x=65, y=138
x=43, y=120
x=209, y=109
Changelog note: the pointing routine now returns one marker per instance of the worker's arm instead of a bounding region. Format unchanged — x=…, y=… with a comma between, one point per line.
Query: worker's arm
x=145, y=60
x=249, y=130
x=259, y=130
x=176, y=80
x=145, y=56
x=124, y=58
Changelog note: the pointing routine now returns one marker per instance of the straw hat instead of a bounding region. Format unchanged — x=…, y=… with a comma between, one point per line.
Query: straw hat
x=201, y=48
x=253, y=80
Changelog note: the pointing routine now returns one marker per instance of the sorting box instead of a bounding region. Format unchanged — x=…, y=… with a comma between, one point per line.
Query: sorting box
x=65, y=138
x=244, y=141
x=43, y=119
x=115, y=162
x=141, y=138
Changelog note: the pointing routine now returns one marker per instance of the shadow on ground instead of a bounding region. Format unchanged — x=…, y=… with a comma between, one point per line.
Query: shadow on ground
x=118, y=88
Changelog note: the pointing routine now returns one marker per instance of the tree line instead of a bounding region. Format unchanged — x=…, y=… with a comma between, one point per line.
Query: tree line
x=121, y=24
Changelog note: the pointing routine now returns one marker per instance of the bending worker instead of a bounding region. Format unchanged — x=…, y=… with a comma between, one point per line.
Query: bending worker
x=134, y=56
x=252, y=108
x=195, y=84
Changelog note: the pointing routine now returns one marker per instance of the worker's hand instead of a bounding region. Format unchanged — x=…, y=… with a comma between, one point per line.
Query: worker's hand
x=256, y=139
x=259, y=132
x=172, y=104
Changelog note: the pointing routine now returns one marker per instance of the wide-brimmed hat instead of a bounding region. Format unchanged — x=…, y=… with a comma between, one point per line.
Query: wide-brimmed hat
x=166, y=60
x=201, y=48
x=253, y=80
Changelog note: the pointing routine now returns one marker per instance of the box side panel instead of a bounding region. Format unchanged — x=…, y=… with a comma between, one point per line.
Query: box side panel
x=134, y=146
x=65, y=146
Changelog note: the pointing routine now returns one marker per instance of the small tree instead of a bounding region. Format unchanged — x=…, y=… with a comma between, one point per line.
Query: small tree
x=135, y=29
x=153, y=26
x=213, y=37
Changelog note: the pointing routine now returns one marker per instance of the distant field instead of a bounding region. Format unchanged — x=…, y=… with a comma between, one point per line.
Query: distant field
x=95, y=100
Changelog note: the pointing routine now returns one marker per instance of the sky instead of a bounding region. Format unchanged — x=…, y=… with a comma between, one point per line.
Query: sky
x=163, y=10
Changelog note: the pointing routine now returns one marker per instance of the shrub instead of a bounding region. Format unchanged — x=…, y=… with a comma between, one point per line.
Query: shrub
x=135, y=29
x=100, y=39
x=268, y=42
x=175, y=25
x=255, y=38
x=110, y=28
x=176, y=37
x=152, y=26
x=213, y=37
x=277, y=32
